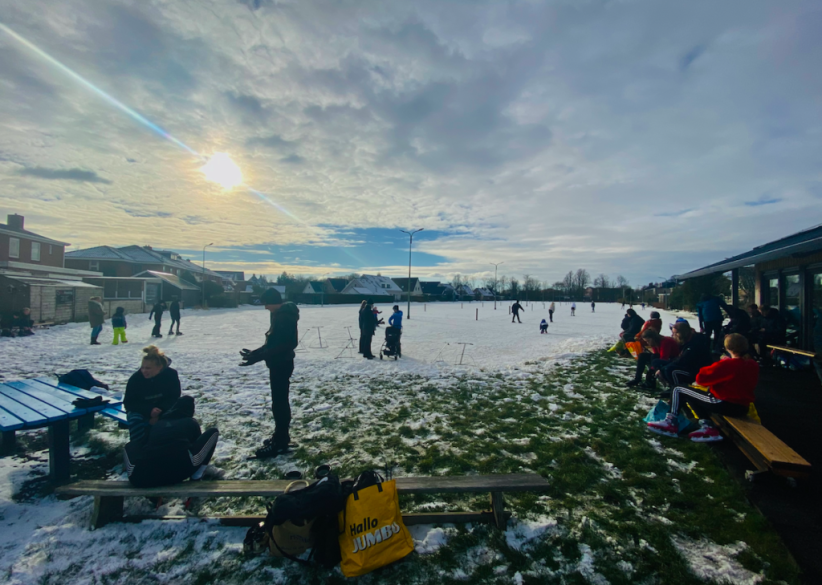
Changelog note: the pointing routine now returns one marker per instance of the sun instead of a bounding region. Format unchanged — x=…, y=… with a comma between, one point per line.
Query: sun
x=222, y=170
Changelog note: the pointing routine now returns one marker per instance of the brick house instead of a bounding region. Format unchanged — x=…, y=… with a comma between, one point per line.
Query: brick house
x=132, y=260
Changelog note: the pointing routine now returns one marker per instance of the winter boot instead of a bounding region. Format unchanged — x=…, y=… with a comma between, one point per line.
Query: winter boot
x=632, y=383
x=667, y=427
x=706, y=434
x=94, y=341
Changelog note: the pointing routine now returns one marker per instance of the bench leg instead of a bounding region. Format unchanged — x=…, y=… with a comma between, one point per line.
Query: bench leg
x=59, y=452
x=85, y=423
x=498, y=509
x=106, y=509
x=9, y=443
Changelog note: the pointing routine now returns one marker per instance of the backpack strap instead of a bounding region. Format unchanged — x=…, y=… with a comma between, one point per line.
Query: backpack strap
x=290, y=556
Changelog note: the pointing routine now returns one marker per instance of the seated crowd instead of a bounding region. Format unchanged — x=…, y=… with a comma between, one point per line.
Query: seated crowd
x=18, y=325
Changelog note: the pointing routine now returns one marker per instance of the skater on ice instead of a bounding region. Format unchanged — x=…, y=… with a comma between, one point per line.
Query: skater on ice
x=543, y=326
x=157, y=312
x=593, y=307
x=174, y=311
x=119, y=326
x=551, y=310
x=515, y=309
x=573, y=309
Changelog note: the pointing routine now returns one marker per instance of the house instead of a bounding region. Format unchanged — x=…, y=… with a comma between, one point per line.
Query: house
x=373, y=286
x=416, y=288
x=33, y=275
x=431, y=288
x=484, y=294
x=234, y=276
x=786, y=274
x=335, y=285
x=464, y=290
x=313, y=288
x=132, y=260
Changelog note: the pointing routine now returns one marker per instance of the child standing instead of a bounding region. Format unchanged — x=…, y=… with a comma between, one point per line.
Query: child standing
x=543, y=326
x=118, y=323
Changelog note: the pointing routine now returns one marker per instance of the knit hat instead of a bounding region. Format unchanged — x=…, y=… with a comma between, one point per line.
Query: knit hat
x=271, y=296
x=654, y=314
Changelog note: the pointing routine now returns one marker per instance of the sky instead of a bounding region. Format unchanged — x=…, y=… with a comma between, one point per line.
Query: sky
x=631, y=137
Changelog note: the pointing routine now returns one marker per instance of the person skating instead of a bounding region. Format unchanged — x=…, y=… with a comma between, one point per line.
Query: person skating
x=174, y=312
x=368, y=325
x=551, y=310
x=96, y=318
x=729, y=387
x=153, y=392
x=515, y=309
x=573, y=309
x=543, y=326
x=593, y=307
x=278, y=354
x=119, y=326
x=157, y=314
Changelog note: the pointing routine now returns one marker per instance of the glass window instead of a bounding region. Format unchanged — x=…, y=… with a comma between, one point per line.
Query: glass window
x=14, y=248
x=152, y=293
x=793, y=308
x=94, y=265
x=773, y=292
x=35, y=251
x=817, y=309
x=110, y=289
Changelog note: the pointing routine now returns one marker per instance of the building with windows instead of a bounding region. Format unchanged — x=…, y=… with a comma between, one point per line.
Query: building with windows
x=369, y=285
x=786, y=274
x=131, y=260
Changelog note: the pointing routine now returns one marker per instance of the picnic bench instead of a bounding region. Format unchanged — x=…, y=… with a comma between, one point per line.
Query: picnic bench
x=43, y=402
x=787, y=349
x=764, y=449
x=110, y=495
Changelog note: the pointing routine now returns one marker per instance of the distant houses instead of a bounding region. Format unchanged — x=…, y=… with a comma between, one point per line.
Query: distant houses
x=368, y=285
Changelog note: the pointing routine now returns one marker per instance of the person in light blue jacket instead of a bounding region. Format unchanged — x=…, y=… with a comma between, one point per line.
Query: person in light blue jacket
x=395, y=320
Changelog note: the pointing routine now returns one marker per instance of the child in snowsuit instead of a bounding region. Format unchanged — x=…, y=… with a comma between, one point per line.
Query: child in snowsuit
x=543, y=326
x=118, y=323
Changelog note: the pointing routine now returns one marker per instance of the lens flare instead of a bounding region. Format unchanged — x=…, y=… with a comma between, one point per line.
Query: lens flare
x=222, y=170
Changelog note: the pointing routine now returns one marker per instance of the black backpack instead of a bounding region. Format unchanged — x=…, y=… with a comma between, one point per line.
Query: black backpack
x=80, y=379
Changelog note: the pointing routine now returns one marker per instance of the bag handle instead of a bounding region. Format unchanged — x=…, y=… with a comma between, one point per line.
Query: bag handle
x=290, y=556
x=293, y=483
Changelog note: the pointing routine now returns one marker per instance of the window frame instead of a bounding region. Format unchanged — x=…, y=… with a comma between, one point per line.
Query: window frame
x=16, y=254
x=36, y=246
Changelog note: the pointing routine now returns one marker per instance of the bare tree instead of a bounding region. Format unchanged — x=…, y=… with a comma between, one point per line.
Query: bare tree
x=622, y=282
x=602, y=281
x=581, y=280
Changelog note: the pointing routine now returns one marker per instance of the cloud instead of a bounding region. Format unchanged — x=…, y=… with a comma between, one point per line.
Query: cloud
x=293, y=159
x=763, y=201
x=273, y=141
x=63, y=175
x=691, y=56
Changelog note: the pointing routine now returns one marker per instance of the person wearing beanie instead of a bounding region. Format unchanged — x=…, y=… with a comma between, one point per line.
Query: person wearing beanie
x=278, y=354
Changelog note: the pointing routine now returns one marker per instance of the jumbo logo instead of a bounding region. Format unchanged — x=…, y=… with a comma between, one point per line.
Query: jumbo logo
x=369, y=539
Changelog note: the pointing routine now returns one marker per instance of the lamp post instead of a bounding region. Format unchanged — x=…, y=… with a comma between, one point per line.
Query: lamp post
x=322, y=289
x=410, y=243
x=495, y=282
x=203, y=283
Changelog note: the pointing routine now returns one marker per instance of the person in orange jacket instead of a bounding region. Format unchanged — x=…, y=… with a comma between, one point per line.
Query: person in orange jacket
x=727, y=387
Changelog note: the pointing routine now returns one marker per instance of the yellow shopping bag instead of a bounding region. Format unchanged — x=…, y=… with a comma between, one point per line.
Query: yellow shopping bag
x=372, y=533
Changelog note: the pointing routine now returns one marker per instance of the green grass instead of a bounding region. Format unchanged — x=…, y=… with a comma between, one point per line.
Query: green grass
x=618, y=493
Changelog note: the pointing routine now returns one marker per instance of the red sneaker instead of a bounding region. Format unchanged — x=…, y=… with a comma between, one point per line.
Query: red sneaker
x=667, y=427
x=706, y=434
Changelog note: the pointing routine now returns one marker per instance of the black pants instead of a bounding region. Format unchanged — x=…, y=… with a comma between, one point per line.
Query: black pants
x=365, y=343
x=158, y=323
x=551, y=316
x=280, y=378
x=516, y=316
x=714, y=328
x=644, y=360
x=704, y=403
x=175, y=449
x=173, y=321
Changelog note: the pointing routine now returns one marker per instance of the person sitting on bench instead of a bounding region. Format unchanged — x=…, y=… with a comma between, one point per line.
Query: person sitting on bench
x=631, y=325
x=726, y=387
x=663, y=350
x=175, y=450
x=153, y=392
x=694, y=355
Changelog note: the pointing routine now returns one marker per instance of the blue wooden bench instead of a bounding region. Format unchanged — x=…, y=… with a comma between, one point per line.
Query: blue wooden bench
x=39, y=403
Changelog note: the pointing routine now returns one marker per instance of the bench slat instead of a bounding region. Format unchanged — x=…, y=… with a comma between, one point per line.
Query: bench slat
x=792, y=350
x=26, y=415
x=51, y=396
x=271, y=488
x=9, y=422
x=768, y=444
x=116, y=412
x=43, y=411
x=74, y=390
x=114, y=409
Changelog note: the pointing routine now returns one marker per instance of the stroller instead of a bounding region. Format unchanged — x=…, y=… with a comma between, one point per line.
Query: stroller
x=391, y=346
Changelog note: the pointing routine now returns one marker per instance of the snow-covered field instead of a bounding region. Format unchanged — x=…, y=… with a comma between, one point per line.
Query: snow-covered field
x=342, y=404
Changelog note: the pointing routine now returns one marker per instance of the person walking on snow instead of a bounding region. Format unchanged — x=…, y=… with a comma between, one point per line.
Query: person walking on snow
x=593, y=307
x=543, y=326
x=157, y=313
x=278, y=354
x=573, y=309
x=96, y=318
x=551, y=310
x=119, y=325
x=174, y=311
x=515, y=309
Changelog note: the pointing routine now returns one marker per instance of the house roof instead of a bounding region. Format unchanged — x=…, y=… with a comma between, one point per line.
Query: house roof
x=800, y=243
x=403, y=283
x=317, y=287
x=337, y=283
x=6, y=229
x=231, y=275
x=140, y=255
x=43, y=281
x=171, y=279
x=430, y=288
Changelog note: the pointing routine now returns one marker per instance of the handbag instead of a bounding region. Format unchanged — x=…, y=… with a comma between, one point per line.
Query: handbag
x=371, y=530
x=293, y=537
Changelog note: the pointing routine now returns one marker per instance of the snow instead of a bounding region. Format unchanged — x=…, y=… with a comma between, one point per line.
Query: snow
x=710, y=561
x=39, y=537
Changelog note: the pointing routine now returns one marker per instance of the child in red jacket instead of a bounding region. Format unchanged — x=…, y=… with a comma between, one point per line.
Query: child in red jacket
x=725, y=387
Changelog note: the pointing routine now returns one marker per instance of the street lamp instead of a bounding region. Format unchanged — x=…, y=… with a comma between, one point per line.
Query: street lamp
x=203, y=283
x=322, y=289
x=410, y=243
x=495, y=282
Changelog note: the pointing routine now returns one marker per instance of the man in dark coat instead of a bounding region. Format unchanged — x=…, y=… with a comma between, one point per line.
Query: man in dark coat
x=515, y=309
x=96, y=318
x=157, y=313
x=368, y=325
x=174, y=311
x=694, y=355
x=278, y=354
x=632, y=325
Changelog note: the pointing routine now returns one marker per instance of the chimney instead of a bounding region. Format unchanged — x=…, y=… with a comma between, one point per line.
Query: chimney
x=15, y=221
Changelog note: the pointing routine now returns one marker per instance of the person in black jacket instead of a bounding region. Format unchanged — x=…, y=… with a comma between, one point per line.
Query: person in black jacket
x=153, y=392
x=278, y=353
x=157, y=313
x=174, y=311
x=740, y=321
x=368, y=325
x=515, y=309
x=632, y=325
x=695, y=355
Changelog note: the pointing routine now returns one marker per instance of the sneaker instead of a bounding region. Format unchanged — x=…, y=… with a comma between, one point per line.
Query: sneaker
x=706, y=434
x=667, y=427
x=270, y=450
x=208, y=472
x=179, y=333
x=632, y=383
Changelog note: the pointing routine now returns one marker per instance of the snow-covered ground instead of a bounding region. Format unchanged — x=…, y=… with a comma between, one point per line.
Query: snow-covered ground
x=236, y=400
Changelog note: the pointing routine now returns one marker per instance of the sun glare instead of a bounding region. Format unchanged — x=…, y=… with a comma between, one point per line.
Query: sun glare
x=222, y=170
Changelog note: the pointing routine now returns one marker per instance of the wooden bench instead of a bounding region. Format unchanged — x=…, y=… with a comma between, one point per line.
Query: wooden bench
x=109, y=496
x=762, y=447
x=43, y=325
x=792, y=350
x=34, y=404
